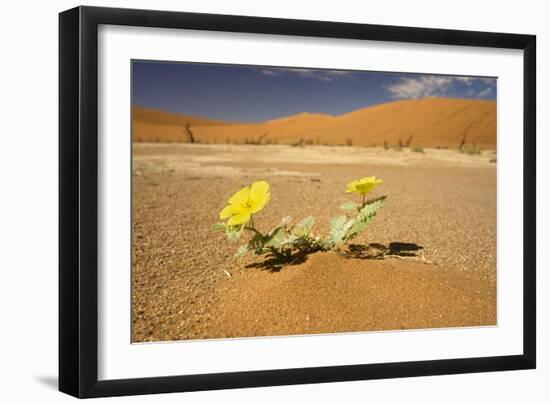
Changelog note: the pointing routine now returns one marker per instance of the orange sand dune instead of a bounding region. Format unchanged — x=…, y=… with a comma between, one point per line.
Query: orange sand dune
x=428, y=122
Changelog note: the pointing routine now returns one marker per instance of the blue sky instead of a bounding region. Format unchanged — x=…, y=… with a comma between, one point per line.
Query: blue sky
x=257, y=93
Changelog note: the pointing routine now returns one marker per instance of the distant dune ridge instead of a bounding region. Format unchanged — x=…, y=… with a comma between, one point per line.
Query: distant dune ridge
x=427, y=122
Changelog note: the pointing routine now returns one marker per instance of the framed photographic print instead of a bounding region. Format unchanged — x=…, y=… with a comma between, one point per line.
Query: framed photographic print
x=251, y=201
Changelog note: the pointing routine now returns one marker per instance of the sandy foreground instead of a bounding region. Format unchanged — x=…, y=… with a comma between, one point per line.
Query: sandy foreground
x=187, y=284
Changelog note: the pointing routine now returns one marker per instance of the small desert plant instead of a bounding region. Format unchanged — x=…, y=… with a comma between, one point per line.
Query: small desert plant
x=417, y=149
x=279, y=243
x=470, y=149
x=346, y=227
x=298, y=143
x=285, y=241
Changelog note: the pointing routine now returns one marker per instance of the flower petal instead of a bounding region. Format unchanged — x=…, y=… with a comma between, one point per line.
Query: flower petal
x=364, y=185
x=240, y=197
x=367, y=179
x=352, y=186
x=228, y=211
x=240, y=218
x=259, y=195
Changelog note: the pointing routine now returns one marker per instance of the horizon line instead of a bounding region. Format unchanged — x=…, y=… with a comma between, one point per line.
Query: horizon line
x=309, y=112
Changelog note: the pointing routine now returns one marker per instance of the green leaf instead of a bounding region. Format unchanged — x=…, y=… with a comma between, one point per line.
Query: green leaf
x=233, y=235
x=218, y=226
x=233, y=232
x=365, y=217
x=243, y=249
x=276, y=239
x=349, y=206
x=356, y=229
x=303, y=229
x=337, y=231
x=371, y=208
x=257, y=244
x=337, y=221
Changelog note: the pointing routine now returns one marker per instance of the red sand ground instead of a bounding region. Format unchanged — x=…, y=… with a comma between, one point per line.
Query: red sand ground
x=443, y=201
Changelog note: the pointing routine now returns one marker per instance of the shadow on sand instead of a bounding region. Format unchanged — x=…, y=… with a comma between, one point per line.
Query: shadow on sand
x=381, y=251
x=374, y=251
x=275, y=264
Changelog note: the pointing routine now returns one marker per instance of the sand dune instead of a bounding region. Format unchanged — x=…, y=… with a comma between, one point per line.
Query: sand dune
x=428, y=122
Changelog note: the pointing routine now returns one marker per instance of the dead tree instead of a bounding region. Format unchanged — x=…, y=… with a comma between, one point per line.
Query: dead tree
x=299, y=143
x=189, y=132
x=261, y=137
x=462, y=142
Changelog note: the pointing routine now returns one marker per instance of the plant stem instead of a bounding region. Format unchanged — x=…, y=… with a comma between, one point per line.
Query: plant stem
x=251, y=228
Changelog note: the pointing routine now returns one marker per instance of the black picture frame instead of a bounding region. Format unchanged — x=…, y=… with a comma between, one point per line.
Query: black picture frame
x=78, y=201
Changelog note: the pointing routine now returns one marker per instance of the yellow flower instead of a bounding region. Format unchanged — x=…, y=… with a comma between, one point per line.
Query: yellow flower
x=364, y=185
x=248, y=201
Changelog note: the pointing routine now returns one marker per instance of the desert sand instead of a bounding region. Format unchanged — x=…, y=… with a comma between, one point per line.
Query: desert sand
x=428, y=260
x=428, y=122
